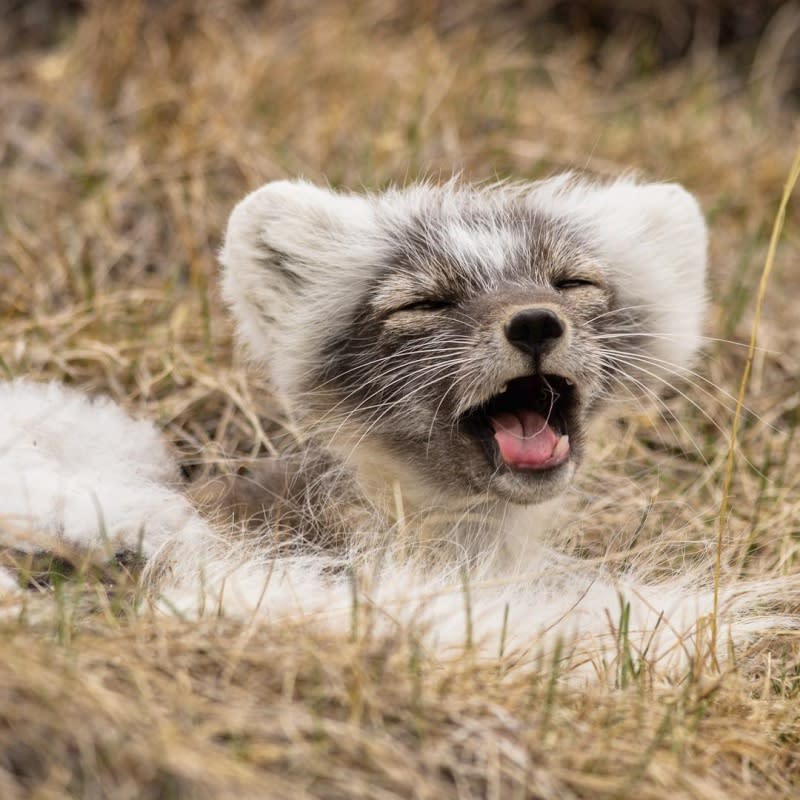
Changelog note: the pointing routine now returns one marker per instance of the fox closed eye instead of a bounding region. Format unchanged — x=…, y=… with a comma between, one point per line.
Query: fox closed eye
x=574, y=283
x=425, y=305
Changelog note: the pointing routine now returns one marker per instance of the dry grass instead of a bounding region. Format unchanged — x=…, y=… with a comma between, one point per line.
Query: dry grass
x=124, y=144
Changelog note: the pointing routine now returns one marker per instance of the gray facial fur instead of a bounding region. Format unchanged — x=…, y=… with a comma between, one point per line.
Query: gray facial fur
x=384, y=320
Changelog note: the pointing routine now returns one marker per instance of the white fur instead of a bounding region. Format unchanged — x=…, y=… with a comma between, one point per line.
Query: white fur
x=81, y=472
x=549, y=605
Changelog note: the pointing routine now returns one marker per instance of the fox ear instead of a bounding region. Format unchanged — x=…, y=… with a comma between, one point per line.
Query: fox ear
x=292, y=248
x=653, y=239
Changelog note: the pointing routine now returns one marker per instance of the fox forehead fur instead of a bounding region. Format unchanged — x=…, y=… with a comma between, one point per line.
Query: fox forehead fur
x=420, y=332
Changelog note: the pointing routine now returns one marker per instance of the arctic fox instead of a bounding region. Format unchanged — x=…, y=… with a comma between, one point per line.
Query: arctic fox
x=454, y=344
x=445, y=351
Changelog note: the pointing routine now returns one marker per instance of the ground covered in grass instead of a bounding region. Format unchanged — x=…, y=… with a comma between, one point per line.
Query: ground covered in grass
x=127, y=132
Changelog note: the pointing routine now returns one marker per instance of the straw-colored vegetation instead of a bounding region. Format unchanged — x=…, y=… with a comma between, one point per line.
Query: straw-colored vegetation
x=127, y=132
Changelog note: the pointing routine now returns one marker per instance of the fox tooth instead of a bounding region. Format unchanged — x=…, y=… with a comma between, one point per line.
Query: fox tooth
x=562, y=447
x=569, y=382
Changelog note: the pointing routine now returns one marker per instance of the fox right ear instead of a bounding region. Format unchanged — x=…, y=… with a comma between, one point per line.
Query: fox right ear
x=293, y=250
x=653, y=238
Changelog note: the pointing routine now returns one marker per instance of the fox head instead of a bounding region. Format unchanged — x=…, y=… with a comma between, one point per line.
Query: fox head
x=466, y=336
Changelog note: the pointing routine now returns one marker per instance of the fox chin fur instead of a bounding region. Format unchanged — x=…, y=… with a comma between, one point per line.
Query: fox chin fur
x=446, y=351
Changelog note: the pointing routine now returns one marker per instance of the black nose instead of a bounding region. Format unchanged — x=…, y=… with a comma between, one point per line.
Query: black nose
x=534, y=330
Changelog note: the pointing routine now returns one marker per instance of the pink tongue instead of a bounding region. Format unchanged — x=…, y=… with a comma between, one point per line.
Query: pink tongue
x=525, y=440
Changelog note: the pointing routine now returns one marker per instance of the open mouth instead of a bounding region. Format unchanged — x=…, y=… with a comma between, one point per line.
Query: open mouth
x=526, y=427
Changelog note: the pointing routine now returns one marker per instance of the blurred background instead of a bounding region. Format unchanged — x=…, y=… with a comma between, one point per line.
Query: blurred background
x=141, y=119
x=125, y=112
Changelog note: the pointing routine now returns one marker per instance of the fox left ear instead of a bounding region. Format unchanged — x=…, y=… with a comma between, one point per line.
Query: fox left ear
x=294, y=258
x=652, y=238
